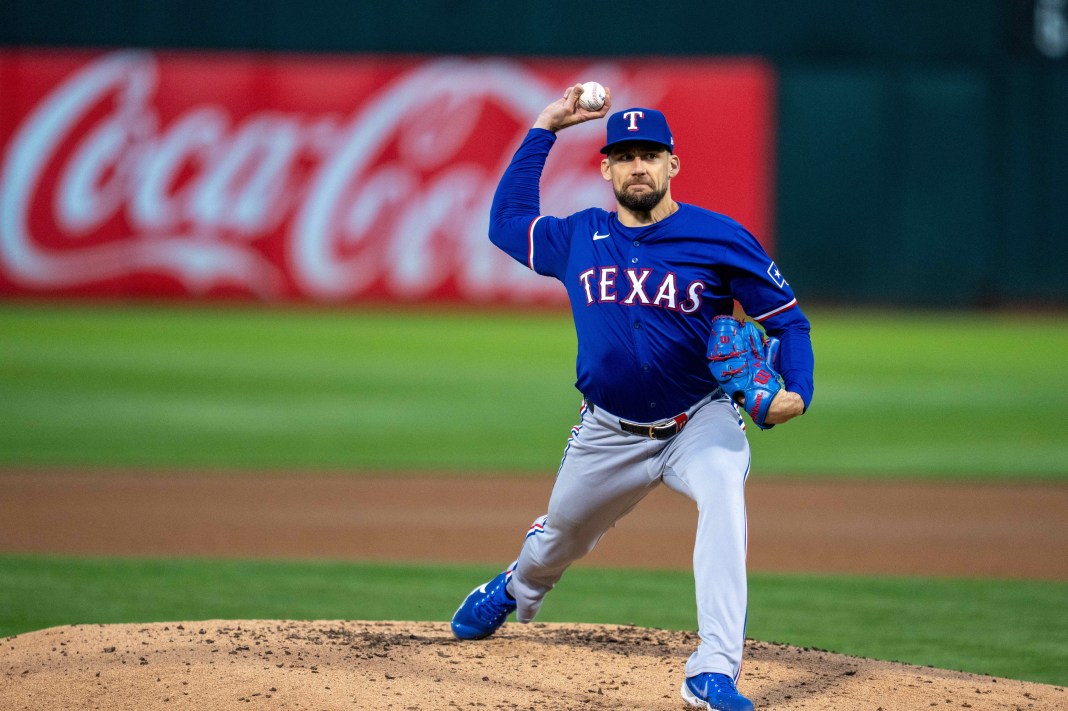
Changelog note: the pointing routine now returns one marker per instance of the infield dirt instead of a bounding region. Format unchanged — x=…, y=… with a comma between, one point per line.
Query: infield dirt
x=1005, y=530
x=855, y=527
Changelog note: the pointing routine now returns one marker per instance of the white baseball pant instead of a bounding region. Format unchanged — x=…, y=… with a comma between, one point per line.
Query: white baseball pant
x=606, y=472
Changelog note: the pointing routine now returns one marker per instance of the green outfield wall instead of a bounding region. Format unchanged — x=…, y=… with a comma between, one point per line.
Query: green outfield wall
x=922, y=146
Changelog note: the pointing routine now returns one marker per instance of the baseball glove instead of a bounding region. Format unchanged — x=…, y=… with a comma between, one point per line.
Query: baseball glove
x=744, y=361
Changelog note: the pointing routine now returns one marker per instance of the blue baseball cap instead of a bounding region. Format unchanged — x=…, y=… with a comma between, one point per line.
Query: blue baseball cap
x=638, y=125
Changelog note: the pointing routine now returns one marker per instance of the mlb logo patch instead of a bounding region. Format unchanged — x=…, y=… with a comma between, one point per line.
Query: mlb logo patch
x=776, y=275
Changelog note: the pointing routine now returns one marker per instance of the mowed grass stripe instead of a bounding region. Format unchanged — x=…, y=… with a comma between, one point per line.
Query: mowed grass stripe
x=897, y=394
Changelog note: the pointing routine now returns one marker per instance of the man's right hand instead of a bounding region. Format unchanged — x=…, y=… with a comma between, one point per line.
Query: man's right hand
x=566, y=111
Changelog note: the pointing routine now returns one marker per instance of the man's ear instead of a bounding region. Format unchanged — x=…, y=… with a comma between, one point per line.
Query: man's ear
x=606, y=173
x=673, y=168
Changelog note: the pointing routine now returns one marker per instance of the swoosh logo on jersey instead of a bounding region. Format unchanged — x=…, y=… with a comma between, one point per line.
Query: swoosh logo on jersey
x=597, y=236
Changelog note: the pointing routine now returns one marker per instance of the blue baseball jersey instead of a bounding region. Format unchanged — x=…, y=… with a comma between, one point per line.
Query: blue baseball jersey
x=643, y=298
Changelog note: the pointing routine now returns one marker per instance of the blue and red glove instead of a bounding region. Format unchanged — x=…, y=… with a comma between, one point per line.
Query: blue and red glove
x=744, y=361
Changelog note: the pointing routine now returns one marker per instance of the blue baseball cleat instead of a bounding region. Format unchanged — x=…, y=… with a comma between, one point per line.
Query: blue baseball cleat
x=484, y=610
x=714, y=691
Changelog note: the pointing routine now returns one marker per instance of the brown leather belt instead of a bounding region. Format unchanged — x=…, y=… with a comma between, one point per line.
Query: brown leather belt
x=658, y=430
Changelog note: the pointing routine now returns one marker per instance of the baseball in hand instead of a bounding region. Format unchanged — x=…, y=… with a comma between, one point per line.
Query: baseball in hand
x=592, y=98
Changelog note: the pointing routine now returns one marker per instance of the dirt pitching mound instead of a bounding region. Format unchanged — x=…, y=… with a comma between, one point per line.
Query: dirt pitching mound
x=229, y=664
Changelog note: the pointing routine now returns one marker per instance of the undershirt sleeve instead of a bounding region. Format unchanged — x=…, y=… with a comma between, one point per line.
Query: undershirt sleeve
x=796, y=359
x=516, y=223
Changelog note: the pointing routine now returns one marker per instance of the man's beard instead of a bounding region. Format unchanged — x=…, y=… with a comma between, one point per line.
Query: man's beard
x=640, y=202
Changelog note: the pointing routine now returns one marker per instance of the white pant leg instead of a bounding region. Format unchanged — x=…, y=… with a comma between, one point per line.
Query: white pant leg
x=603, y=475
x=708, y=462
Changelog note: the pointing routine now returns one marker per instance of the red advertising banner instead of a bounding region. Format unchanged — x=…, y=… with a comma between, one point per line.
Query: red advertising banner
x=329, y=178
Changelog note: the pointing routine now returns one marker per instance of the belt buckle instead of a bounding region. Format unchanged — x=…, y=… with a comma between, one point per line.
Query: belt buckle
x=665, y=429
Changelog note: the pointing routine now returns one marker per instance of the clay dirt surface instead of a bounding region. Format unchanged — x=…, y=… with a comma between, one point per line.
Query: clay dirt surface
x=228, y=664
x=895, y=528
x=974, y=529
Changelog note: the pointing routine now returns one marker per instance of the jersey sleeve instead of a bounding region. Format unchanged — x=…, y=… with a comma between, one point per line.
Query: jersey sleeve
x=762, y=290
x=516, y=223
x=755, y=280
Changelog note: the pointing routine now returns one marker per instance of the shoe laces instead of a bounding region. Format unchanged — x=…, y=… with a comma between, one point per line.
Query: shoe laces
x=718, y=684
x=495, y=604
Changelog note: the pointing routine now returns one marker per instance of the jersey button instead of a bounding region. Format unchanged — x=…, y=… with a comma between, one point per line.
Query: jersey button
x=637, y=324
x=652, y=405
x=637, y=243
x=646, y=367
x=634, y=260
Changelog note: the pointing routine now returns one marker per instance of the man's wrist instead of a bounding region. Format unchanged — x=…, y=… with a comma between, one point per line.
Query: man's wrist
x=786, y=406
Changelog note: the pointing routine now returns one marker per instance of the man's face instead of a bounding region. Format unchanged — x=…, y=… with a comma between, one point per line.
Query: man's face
x=640, y=173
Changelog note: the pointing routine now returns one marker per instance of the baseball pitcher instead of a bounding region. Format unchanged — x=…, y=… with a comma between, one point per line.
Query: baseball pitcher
x=664, y=370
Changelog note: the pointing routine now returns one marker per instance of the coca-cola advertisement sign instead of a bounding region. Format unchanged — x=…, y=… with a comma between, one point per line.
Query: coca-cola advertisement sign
x=328, y=178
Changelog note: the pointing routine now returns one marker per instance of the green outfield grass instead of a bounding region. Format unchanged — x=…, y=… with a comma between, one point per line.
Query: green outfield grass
x=1006, y=628
x=924, y=394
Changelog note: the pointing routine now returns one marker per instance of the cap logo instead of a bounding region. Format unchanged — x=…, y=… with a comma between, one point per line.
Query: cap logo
x=632, y=117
